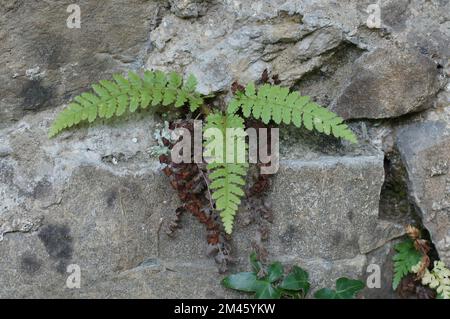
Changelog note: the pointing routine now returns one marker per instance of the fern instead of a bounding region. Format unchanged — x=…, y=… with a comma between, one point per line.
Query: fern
x=275, y=103
x=114, y=98
x=227, y=179
x=438, y=278
x=407, y=256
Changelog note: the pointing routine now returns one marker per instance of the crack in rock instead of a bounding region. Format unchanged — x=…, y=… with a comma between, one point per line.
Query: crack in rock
x=20, y=225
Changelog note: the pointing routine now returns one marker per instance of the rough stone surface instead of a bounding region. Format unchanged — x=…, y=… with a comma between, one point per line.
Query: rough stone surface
x=94, y=197
x=340, y=225
x=43, y=63
x=388, y=83
x=425, y=151
x=381, y=260
x=188, y=8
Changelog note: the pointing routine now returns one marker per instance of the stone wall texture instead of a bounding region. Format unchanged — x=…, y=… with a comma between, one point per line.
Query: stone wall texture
x=96, y=198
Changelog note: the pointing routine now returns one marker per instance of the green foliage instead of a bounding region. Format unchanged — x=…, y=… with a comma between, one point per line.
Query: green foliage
x=115, y=98
x=345, y=289
x=296, y=280
x=438, y=278
x=269, y=283
x=275, y=103
x=122, y=95
x=406, y=257
x=227, y=178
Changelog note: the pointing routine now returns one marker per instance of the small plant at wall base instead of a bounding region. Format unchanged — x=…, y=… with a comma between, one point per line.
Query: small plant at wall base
x=412, y=258
x=217, y=185
x=272, y=283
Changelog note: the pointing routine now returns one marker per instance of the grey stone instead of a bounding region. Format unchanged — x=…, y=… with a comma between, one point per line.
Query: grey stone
x=95, y=198
x=388, y=83
x=317, y=217
x=222, y=48
x=43, y=63
x=188, y=8
x=66, y=202
x=381, y=260
x=306, y=55
x=427, y=28
x=424, y=150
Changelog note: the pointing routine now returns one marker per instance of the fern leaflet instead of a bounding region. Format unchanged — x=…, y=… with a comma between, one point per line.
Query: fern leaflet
x=438, y=278
x=114, y=98
x=275, y=103
x=227, y=176
x=406, y=257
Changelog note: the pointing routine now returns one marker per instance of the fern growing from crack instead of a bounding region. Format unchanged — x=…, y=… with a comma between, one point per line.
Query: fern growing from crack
x=277, y=104
x=438, y=278
x=227, y=177
x=114, y=98
x=407, y=256
x=117, y=97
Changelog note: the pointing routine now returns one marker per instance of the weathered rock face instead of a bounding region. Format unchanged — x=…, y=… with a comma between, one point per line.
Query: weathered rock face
x=425, y=151
x=388, y=83
x=188, y=8
x=95, y=198
x=43, y=63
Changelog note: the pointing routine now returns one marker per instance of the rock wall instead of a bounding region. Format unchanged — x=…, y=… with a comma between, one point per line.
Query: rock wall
x=94, y=197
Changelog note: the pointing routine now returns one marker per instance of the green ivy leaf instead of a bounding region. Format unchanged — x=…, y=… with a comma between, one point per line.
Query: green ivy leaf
x=243, y=281
x=296, y=280
x=325, y=293
x=248, y=282
x=345, y=289
x=265, y=290
x=272, y=285
x=275, y=271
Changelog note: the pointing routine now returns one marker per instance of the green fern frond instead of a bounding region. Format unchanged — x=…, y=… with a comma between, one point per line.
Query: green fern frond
x=275, y=103
x=227, y=178
x=405, y=259
x=114, y=98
